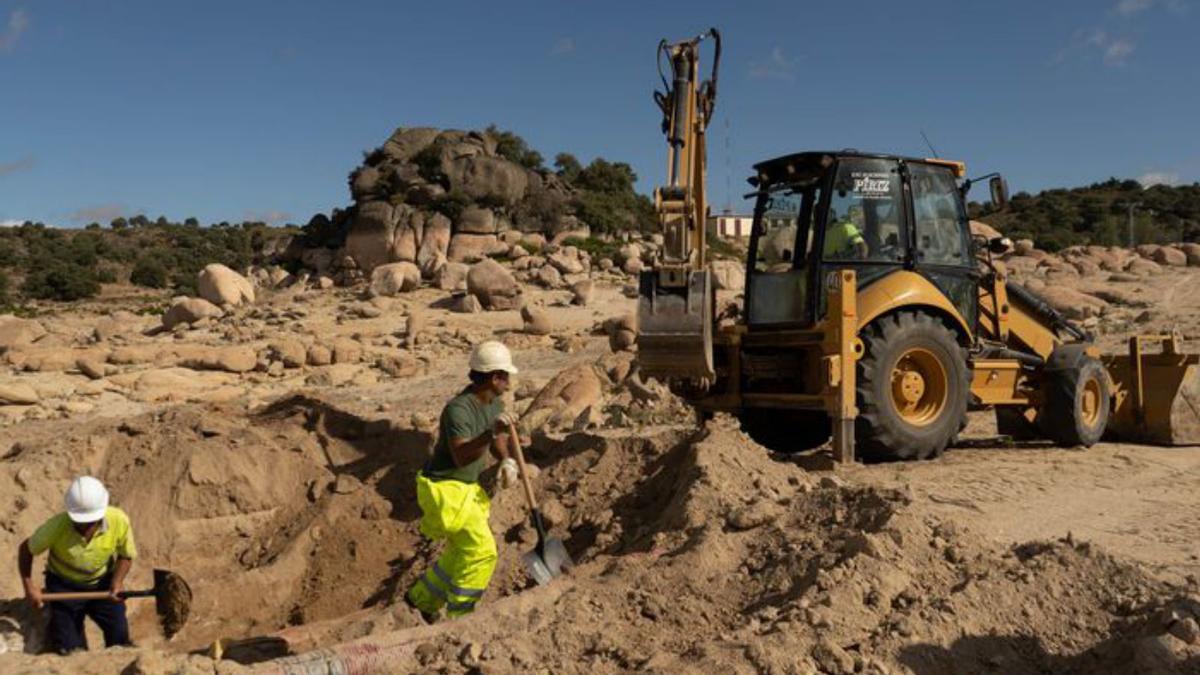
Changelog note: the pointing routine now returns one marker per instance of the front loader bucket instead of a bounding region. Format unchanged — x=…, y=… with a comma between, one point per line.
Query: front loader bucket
x=675, y=327
x=1156, y=396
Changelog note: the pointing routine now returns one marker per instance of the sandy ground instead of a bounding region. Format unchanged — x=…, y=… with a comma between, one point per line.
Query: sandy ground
x=287, y=503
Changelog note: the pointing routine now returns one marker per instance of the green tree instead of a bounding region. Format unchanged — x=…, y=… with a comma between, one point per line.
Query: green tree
x=568, y=167
x=514, y=148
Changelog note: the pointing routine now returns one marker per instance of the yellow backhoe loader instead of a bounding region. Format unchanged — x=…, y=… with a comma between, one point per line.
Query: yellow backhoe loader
x=871, y=313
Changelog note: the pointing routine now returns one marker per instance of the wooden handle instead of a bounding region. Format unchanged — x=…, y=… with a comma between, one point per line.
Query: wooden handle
x=520, y=457
x=75, y=595
x=92, y=595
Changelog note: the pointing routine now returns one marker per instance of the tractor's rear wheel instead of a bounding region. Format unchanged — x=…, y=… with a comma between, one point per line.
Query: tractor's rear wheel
x=913, y=388
x=1077, y=403
x=786, y=431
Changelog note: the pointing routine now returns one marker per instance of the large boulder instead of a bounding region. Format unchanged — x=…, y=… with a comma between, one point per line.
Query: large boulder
x=239, y=359
x=728, y=275
x=564, y=397
x=536, y=321
x=493, y=285
x=1171, y=257
x=1072, y=303
x=405, y=143
x=982, y=229
x=435, y=244
x=475, y=220
x=190, y=310
x=488, y=178
x=18, y=393
x=1192, y=251
x=407, y=233
x=1142, y=267
x=451, y=277
x=473, y=247
x=369, y=239
x=16, y=332
x=393, y=278
x=566, y=261
x=222, y=286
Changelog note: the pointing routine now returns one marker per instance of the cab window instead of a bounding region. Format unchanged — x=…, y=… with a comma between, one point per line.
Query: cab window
x=941, y=225
x=864, y=221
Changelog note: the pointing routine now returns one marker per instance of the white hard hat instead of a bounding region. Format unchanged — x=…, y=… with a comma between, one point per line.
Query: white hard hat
x=86, y=500
x=491, y=356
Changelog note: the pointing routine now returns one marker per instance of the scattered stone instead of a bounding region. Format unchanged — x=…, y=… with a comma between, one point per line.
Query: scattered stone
x=290, y=352
x=93, y=369
x=16, y=332
x=347, y=351
x=18, y=393
x=467, y=304
x=1171, y=257
x=549, y=277
x=581, y=292
x=229, y=359
x=220, y=285
x=622, y=332
x=395, y=278
x=537, y=322
x=493, y=285
x=319, y=355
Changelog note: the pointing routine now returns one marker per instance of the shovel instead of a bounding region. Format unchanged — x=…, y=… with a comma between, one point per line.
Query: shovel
x=550, y=558
x=172, y=599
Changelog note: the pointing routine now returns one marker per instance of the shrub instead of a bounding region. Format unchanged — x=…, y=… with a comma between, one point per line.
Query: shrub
x=150, y=272
x=61, y=281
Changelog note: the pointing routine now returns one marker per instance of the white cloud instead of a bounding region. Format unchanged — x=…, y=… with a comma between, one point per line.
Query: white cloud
x=103, y=213
x=23, y=164
x=268, y=217
x=563, y=46
x=18, y=23
x=1117, y=51
x=777, y=67
x=11, y=223
x=1088, y=43
x=1152, y=178
x=1133, y=7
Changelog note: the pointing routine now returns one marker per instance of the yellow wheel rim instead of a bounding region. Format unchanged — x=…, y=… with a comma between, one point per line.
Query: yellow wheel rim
x=1089, y=403
x=919, y=386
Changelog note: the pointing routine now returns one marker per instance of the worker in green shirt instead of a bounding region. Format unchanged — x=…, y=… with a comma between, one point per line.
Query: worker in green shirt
x=843, y=239
x=90, y=548
x=454, y=507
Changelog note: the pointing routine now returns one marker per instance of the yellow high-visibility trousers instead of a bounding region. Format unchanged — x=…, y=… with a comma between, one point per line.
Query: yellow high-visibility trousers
x=458, y=513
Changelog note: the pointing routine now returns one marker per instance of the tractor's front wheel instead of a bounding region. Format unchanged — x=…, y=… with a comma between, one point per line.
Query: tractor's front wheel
x=1077, y=403
x=913, y=388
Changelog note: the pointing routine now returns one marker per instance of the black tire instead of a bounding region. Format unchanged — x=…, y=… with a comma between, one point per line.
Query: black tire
x=786, y=431
x=882, y=432
x=1011, y=422
x=1066, y=392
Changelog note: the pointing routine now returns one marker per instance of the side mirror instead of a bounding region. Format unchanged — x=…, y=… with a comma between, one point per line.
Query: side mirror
x=999, y=245
x=999, y=188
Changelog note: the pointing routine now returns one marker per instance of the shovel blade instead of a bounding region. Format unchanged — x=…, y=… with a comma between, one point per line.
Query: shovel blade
x=547, y=561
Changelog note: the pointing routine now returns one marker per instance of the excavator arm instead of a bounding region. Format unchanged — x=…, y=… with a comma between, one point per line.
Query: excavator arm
x=675, y=305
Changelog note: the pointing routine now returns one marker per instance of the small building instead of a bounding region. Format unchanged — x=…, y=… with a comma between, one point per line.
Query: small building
x=730, y=225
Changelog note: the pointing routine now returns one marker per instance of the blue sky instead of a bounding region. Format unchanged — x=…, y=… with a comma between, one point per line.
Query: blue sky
x=233, y=110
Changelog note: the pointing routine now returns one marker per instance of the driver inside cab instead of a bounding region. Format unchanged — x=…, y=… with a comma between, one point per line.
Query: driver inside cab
x=843, y=237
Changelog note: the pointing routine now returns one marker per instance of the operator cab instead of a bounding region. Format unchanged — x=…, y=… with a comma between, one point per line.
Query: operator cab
x=821, y=211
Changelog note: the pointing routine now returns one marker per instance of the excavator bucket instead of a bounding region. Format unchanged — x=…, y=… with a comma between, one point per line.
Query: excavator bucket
x=1156, y=396
x=675, y=327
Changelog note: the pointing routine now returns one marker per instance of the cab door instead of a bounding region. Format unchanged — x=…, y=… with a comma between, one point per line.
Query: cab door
x=941, y=236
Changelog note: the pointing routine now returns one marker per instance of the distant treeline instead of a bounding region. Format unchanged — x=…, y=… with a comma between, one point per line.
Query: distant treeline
x=1099, y=214
x=40, y=262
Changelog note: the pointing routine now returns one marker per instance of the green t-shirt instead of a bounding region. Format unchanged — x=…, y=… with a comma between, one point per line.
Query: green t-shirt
x=840, y=238
x=464, y=418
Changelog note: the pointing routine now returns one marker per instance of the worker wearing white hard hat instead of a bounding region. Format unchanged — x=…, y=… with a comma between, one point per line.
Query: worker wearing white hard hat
x=91, y=548
x=454, y=507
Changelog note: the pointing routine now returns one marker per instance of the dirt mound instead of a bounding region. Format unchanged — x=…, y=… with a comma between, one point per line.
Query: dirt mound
x=295, y=514
x=697, y=550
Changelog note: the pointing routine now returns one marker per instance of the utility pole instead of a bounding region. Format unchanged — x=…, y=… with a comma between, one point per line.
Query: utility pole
x=1131, y=206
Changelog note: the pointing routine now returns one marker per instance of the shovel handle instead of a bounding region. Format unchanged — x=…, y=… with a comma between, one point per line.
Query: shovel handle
x=520, y=457
x=92, y=595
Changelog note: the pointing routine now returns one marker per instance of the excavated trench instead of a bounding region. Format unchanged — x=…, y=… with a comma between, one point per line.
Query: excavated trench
x=697, y=551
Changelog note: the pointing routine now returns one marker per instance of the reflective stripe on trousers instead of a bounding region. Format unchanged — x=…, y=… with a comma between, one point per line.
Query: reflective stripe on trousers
x=457, y=513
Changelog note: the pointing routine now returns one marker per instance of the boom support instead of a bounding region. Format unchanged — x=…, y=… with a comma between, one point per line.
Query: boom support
x=676, y=305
